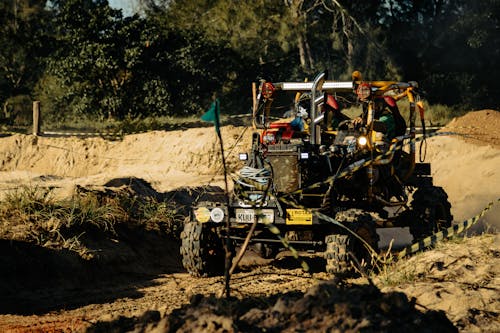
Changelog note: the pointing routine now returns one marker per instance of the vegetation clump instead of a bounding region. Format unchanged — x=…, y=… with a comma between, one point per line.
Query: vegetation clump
x=32, y=214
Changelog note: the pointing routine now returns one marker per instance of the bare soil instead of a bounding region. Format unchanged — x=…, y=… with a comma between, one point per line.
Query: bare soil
x=136, y=281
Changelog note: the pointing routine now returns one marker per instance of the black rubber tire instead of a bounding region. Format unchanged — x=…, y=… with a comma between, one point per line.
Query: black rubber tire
x=342, y=246
x=202, y=250
x=337, y=255
x=431, y=212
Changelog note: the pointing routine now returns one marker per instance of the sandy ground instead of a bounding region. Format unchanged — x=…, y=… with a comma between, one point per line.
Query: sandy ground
x=166, y=160
x=466, y=167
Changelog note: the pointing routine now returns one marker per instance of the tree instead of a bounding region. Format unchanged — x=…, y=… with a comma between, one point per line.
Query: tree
x=86, y=63
x=26, y=42
x=102, y=63
x=449, y=48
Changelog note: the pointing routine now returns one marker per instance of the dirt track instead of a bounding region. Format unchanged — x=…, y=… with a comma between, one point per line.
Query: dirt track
x=459, y=279
x=149, y=283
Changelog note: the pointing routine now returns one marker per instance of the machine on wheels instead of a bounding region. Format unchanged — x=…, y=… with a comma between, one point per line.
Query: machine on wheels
x=313, y=162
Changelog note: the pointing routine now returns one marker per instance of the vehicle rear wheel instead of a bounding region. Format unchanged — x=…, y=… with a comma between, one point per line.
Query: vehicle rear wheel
x=431, y=212
x=202, y=249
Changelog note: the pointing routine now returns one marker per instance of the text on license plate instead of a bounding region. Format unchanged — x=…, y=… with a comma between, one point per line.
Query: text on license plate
x=248, y=215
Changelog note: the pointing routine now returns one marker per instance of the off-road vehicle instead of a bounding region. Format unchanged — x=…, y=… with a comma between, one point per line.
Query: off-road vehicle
x=314, y=162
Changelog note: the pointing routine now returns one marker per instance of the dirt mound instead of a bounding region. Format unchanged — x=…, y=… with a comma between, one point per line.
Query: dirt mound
x=166, y=160
x=129, y=252
x=479, y=127
x=29, y=269
x=328, y=306
x=460, y=277
x=453, y=287
x=467, y=166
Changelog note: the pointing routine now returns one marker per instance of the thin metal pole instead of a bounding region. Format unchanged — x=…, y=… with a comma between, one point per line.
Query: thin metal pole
x=227, y=264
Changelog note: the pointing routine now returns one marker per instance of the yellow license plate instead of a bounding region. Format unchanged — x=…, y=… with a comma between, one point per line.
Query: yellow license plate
x=298, y=217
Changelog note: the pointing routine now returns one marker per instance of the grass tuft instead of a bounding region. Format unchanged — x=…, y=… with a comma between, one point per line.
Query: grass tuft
x=32, y=214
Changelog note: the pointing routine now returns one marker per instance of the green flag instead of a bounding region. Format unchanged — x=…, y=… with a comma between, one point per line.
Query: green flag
x=213, y=115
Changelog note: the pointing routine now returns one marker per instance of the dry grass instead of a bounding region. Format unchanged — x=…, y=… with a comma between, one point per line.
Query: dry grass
x=392, y=271
x=32, y=214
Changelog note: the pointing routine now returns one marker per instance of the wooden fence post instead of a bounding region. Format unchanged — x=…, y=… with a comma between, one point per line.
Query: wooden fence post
x=36, y=117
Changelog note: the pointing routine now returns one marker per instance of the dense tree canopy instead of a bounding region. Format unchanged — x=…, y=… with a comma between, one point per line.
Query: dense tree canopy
x=83, y=58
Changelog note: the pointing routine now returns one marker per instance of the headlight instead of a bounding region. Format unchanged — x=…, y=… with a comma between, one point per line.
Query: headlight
x=217, y=215
x=362, y=141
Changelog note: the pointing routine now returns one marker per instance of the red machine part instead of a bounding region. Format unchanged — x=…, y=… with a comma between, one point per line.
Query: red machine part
x=276, y=133
x=267, y=90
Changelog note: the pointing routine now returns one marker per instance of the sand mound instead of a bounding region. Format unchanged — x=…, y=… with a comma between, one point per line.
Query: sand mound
x=467, y=166
x=480, y=127
x=460, y=278
x=166, y=160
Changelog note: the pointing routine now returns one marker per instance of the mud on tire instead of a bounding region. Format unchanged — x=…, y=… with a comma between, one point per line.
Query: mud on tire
x=337, y=254
x=202, y=249
x=342, y=246
x=431, y=212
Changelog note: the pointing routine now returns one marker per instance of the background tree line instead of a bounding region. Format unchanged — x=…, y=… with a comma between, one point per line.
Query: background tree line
x=82, y=58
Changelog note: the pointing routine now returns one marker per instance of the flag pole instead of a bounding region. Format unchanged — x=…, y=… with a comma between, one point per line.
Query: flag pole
x=227, y=264
x=213, y=114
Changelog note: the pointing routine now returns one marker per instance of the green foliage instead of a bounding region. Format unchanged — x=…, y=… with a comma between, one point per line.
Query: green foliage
x=94, y=57
x=84, y=60
x=449, y=49
x=160, y=216
x=18, y=111
x=36, y=206
x=28, y=201
x=439, y=114
x=25, y=42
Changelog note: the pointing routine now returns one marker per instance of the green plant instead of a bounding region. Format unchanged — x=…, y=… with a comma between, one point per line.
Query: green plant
x=391, y=272
x=33, y=203
x=160, y=216
x=87, y=209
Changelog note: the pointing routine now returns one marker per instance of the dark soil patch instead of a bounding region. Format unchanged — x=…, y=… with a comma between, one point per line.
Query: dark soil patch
x=326, y=307
x=36, y=279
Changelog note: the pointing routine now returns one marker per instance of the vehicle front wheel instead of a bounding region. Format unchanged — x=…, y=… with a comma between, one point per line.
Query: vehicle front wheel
x=344, y=251
x=202, y=249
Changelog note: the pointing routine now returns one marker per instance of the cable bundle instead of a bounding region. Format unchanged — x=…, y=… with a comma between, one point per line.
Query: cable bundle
x=254, y=179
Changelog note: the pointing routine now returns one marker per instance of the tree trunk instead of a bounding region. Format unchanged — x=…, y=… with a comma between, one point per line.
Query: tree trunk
x=302, y=52
x=298, y=17
x=347, y=28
